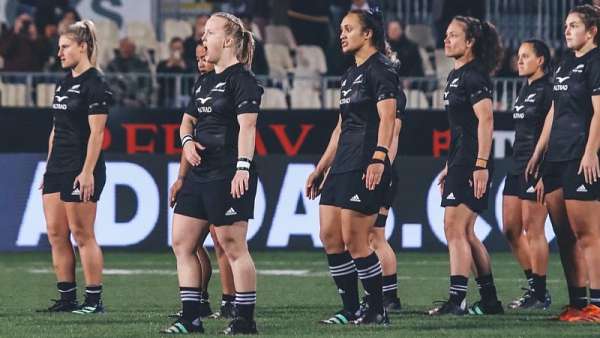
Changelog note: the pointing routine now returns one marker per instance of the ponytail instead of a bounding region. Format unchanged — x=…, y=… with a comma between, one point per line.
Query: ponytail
x=487, y=47
x=246, y=52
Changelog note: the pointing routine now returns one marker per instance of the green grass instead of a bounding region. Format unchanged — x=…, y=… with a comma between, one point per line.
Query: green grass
x=137, y=305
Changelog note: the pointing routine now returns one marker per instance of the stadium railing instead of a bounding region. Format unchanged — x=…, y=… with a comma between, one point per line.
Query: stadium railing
x=282, y=92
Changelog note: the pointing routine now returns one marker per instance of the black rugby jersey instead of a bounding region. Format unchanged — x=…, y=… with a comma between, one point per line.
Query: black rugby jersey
x=362, y=87
x=401, y=105
x=217, y=100
x=575, y=82
x=76, y=98
x=466, y=86
x=529, y=113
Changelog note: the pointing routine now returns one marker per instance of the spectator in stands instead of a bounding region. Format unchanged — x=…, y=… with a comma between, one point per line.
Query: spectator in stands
x=69, y=17
x=189, y=45
x=309, y=22
x=175, y=64
x=362, y=5
x=50, y=39
x=259, y=59
x=407, y=51
x=21, y=46
x=133, y=84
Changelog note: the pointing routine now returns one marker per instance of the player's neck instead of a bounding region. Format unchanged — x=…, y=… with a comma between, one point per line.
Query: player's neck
x=363, y=54
x=225, y=62
x=81, y=68
x=463, y=60
x=537, y=75
x=585, y=49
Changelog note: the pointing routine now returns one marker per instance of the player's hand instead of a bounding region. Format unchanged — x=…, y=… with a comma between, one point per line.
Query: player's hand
x=480, y=180
x=85, y=182
x=533, y=166
x=442, y=179
x=314, y=184
x=373, y=175
x=589, y=167
x=239, y=184
x=539, y=191
x=174, y=191
x=190, y=151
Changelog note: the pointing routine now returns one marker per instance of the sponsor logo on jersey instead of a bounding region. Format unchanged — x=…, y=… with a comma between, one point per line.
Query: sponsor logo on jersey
x=59, y=106
x=203, y=99
x=345, y=92
x=198, y=90
x=518, y=108
x=562, y=79
x=454, y=83
x=57, y=89
x=530, y=98
x=560, y=86
x=358, y=79
x=220, y=87
x=204, y=109
x=343, y=83
x=60, y=98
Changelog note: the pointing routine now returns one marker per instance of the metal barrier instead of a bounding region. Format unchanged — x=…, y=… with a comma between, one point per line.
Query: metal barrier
x=285, y=92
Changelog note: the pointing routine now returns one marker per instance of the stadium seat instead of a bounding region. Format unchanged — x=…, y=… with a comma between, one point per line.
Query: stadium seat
x=304, y=98
x=280, y=34
x=332, y=98
x=176, y=28
x=13, y=95
x=416, y=99
x=421, y=34
x=443, y=65
x=279, y=59
x=107, y=33
x=142, y=33
x=44, y=94
x=427, y=66
x=438, y=99
x=273, y=98
x=311, y=57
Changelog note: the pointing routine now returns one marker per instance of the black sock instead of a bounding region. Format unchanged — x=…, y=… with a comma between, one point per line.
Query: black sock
x=539, y=287
x=390, y=287
x=190, y=302
x=595, y=297
x=245, y=303
x=204, y=296
x=227, y=298
x=93, y=293
x=369, y=272
x=487, y=289
x=458, y=289
x=578, y=296
x=67, y=290
x=343, y=271
x=529, y=277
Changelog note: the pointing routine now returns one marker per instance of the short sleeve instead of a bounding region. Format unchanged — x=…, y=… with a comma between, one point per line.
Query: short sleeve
x=191, y=106
x=478, y=87
x=247, y=93
x=593, y=77
x=100, y=98
x=546, y=101
x=400, y=105
x=384, y=82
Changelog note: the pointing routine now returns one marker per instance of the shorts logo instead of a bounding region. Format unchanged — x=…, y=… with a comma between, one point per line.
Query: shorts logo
x=355, y=198
x=531, y=189
x=451, y=196
x=341, y=291
x=231, y=212
x=582, y=188
x=76, y=192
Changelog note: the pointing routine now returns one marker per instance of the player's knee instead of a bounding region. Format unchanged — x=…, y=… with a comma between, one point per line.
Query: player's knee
x=83, y=237
x=56, y=237
x=511, y=234
x=454, y=230
x=331, y=239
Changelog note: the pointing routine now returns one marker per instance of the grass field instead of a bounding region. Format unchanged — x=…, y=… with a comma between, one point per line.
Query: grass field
x=294, y=292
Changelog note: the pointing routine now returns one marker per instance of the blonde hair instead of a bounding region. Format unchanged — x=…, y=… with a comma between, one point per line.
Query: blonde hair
x=244, y=41
x=85, y=31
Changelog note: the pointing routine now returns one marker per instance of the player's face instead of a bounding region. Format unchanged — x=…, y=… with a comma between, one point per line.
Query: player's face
x=455, y=42
x=528, y=63
x=69, y=51
x=203, y=66
x=576, y=34
x=215, y=38
x=352, y=36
